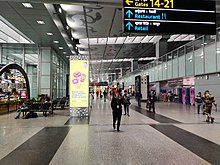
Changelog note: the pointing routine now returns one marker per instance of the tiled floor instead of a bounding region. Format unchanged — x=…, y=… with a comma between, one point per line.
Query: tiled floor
x=174, y=135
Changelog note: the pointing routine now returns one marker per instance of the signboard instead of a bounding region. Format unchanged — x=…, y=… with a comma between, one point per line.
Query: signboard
x=138, y=84
x=170, y=16
x=98, y=83
x=79, y=83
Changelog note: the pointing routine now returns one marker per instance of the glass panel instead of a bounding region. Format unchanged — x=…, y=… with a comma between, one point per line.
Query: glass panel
x=182, y=66
x=45, y=82
x=199, y=61
x=198, y=43
x=164, y=71
x=175, y=68
x=189, y=47
x=210, y=59
x=209, y=39
x=181, y=51
x=160, y=72
x=218, y=56
x=46, y=55
x=156, y=73
x=169, y=69
x=189, y=64
x=45, y=68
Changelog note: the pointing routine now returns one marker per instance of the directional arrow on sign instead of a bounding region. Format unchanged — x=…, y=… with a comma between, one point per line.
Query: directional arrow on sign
x=128, y=2
x=129, y=25
x=129, y=13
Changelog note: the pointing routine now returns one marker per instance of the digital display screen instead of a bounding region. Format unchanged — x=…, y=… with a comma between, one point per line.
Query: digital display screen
x=170, y=16
x=79, y=83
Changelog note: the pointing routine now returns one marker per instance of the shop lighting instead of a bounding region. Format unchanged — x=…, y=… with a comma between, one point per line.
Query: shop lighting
x=49, y=34
x=41, y=22
x=27, y=5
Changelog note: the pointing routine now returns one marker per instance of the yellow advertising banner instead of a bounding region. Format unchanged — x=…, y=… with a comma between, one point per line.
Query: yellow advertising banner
x=79, y=83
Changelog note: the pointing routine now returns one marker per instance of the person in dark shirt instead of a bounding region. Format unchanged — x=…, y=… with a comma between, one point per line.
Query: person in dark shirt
x=116, y=105
x=152, y=99
x=127, y=103
x=105, y=95
x=138, y=97
x=199, y=101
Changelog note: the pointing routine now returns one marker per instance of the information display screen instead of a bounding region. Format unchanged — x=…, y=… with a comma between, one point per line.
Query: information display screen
x=170, y=16
x=79, y=83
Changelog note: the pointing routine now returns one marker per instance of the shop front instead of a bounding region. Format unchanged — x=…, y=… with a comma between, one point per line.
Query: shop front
x=14, y=87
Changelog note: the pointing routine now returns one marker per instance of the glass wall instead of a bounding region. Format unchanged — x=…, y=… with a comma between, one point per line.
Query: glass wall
x=198, y=57
x=51, y=66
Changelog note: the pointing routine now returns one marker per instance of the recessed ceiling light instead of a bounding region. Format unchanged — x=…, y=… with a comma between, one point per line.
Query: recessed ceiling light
x=27, y=5
x=72, y=38
x=60, y=47
x=49, y=34
x=56, y=42
x=67, y=27
x=41, y=22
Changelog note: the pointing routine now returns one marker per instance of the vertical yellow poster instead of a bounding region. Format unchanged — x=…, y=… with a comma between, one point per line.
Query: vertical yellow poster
x=79, y=83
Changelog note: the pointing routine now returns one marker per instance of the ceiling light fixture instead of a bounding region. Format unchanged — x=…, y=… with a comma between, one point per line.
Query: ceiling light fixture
x=56, y=42
x=41, y=22
x=27, y=5
x=64, y=52
x=60, y=47
x=49, y=34
x=67, y=27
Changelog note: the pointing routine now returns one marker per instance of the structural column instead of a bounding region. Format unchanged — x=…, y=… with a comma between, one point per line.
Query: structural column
x=161, y=46
x=45, y=71
x=134, y=64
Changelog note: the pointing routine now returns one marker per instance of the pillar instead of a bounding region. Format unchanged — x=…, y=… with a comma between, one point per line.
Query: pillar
x=161, y=46
x=134, y=64
x=45, y=71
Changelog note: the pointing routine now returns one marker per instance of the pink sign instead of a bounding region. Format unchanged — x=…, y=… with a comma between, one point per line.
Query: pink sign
x=184, y=95
x=192, y=96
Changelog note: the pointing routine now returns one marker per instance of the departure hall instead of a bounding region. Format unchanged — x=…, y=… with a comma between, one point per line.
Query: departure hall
x=110, y=82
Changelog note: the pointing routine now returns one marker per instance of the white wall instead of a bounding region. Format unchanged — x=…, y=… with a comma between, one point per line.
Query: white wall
x=212, y=84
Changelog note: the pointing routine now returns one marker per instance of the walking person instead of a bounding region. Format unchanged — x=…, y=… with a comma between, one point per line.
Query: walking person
x=116, y=106
x=127, y=103
x=152, y=99
x=199, y=102
x=138, y=97
x=105, y=95
x=97, y=94
x=208, y=100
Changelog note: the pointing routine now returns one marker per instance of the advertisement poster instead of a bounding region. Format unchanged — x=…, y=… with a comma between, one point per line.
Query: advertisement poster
x=79, y=83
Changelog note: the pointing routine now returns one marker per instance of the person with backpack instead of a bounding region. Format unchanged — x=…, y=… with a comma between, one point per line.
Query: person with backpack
x=199, y=101
x=208, y=100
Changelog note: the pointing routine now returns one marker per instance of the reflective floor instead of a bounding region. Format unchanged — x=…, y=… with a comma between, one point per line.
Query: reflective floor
x=176, y=134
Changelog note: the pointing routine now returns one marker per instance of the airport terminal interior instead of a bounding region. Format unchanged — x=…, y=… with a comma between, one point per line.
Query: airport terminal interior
x=70, y=69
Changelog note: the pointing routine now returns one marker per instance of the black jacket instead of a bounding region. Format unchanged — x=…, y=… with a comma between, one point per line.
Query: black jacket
x=116, y=104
